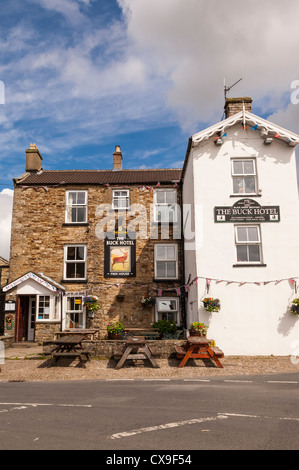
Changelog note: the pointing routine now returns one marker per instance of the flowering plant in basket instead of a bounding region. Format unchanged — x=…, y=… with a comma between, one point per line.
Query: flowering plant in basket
x=295, y=307
x=211, y=305
x=91, y=302
x=147, y=300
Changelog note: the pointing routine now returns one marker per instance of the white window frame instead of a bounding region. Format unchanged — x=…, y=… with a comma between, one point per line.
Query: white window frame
x=66, y=261
x=249, y=243
x=166, y=260
x=70, y=206
x=51, y=308
x=176, y=311
x=115, y=198
x=244, y=175
x=165, y=204
x=81, y=311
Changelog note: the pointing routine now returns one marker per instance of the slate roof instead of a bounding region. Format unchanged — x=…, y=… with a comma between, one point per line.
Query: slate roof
x=114, y=177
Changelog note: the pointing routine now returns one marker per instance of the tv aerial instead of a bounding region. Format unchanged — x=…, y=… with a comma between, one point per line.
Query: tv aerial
x=228, y=88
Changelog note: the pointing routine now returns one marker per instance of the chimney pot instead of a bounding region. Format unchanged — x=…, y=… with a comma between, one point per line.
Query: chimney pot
x=235, y=105
x=33, y=159
x=117, y=159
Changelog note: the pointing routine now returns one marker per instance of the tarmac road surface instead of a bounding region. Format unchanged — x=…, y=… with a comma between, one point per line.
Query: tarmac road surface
x=252, y=412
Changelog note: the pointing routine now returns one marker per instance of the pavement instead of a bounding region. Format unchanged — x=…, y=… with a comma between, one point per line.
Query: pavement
x=26, y=362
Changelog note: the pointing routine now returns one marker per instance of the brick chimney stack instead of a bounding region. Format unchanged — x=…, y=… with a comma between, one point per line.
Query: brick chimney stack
x=117, y=159
x=235, y=105
x=33, y=159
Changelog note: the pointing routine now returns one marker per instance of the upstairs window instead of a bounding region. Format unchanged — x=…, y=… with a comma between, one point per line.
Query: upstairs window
x=75, y=262
x=120, y=199
x=244, y=176
x=76, y=207
x=248, y=244
x=166, y=261
x=165, y=205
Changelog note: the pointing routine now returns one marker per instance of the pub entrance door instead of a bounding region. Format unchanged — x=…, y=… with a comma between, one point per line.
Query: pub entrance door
x=25, y=318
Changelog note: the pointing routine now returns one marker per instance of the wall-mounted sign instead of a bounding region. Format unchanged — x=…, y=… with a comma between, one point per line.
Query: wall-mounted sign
x=120, y=255
x=247, y=210
x=10, y=306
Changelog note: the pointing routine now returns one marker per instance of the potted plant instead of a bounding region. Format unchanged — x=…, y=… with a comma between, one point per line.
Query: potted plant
x=114, y=329
x=211, y=305
x=198, y=328
x=295, y=307
x=147, y=300
x=165, y=327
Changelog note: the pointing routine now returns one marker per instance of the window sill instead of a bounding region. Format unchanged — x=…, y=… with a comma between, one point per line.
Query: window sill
x=48, y=321
x=75, y=224
x=166, y=280
x=249, y=265
x=73, y=281
x=247, y=196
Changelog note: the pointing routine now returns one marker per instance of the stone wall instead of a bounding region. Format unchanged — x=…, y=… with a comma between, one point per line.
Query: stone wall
x=112, y=349
x=40, y=233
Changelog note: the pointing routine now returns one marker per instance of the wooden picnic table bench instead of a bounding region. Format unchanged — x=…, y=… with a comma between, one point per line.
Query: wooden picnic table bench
x=71, y=346
x=136, y=348
x=147, y=333
x=198, y=347
x=90, y=332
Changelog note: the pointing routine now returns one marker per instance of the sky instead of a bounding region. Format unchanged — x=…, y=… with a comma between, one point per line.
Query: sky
x=82, y=76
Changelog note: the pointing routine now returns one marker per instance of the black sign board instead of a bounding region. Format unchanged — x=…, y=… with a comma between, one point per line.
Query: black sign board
x=247, y=210
x=120, y=255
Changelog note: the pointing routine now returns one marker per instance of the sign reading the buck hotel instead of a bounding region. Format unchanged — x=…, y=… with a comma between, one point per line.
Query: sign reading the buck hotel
x=120, y=256
x=247, y=210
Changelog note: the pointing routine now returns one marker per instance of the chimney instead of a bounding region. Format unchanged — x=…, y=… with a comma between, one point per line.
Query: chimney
x=117, y=159
x=33, y=159
x=235, y=105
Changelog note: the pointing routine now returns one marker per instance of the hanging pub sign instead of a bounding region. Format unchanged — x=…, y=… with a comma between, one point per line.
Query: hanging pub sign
x=120, y=254
x=247, y=210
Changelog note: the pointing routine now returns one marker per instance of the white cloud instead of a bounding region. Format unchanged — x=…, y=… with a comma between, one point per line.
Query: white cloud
x=6, y=201
x=199, y=43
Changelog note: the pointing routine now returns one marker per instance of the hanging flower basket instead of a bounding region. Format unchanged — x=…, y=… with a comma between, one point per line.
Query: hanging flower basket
x=294, y=309
x=211, y=305
x=198, y=328
x=147, y=300
x=91, y=303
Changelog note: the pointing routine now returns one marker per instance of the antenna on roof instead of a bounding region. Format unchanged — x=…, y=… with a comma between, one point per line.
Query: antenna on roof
x=228, y=88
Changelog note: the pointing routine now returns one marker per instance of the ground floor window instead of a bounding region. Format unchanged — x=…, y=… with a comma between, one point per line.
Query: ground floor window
x=75, y=317
x=167, y=308
x=43, y=307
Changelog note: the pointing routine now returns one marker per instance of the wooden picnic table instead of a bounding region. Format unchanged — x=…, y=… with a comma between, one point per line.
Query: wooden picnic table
x=136, y=348
x=70, y=346
x=91, y=332
x=198, y=347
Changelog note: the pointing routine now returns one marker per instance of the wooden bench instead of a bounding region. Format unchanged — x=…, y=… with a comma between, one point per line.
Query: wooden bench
x=75, y=353
x=217, y=351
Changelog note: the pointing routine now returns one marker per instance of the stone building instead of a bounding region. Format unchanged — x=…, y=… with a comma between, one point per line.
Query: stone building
x=4, y=272
x=110, y=234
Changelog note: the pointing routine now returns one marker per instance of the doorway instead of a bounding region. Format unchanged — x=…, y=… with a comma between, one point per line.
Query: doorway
x=25, y=318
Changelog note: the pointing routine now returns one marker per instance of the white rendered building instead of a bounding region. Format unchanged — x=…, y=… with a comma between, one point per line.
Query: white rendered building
x=241, y=226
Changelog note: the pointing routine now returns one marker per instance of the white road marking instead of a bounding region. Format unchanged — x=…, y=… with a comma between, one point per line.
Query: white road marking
x=281, y=382
x=44, y=404
x=239, y=381
x=239, y=415
x=165, y=426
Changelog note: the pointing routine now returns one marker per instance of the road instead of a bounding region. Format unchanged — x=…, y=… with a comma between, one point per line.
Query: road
x=248, y=412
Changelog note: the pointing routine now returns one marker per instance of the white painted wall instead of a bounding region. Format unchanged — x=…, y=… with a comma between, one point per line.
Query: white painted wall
x=253, y=320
